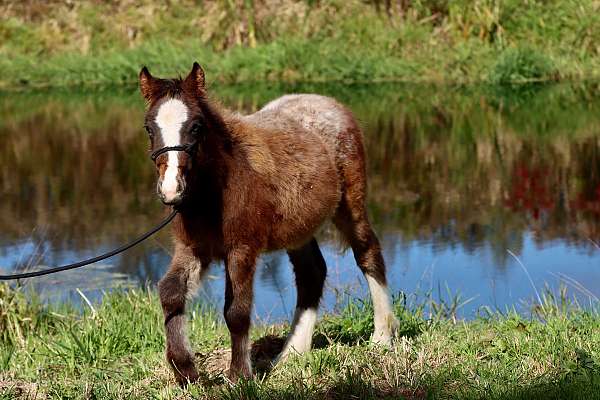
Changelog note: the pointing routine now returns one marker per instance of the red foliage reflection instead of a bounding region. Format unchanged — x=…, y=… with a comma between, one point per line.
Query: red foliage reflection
x=531, y=190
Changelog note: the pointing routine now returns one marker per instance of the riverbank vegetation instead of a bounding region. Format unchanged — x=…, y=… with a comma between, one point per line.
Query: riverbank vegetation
x=115, y=350
x=64, y=43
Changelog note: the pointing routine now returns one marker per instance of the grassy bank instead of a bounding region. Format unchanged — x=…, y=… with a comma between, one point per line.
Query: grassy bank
x=114, y=350
x=63, y=43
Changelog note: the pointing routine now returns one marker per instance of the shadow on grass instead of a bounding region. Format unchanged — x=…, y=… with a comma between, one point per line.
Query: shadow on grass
x=265, y=351
x=581, y=382
x=347, y=331
x=350, y=386
x=354, y=386
x=567, y=388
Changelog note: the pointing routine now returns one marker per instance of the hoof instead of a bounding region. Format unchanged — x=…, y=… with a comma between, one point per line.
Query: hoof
x=235, y=373
x=184, y=370
x=289, y=351
x=283, y=356
x=384, y=335
x=185, y=378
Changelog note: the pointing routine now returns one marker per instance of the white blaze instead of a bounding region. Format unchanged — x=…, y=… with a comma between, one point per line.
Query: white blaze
x=170, y=117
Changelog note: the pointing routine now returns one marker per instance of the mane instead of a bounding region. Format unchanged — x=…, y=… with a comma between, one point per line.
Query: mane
x=249, y=139
x=219, y=118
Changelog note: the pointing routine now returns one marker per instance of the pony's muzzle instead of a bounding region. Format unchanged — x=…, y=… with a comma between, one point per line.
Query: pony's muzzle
x=171, y=188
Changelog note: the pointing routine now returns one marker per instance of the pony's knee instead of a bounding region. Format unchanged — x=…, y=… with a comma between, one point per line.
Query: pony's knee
x=171, y=292
x=166, y=286
x=240, y=267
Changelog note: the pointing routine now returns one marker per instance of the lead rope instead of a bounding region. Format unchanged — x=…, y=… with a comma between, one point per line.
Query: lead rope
x=101, y=257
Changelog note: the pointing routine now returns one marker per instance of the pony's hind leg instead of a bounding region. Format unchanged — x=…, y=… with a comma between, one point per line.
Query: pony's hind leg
x=351, y=219
x=179, y=283
x=310, y=270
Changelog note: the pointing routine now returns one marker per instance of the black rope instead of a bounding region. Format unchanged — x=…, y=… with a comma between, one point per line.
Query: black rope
x=101, y=257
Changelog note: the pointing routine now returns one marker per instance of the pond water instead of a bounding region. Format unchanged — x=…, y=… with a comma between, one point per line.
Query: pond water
x=491, y=195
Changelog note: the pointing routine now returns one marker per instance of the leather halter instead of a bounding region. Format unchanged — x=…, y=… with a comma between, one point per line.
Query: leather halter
x=188, y=148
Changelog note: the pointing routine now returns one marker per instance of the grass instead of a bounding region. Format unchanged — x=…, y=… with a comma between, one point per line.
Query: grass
x=65, y=43
x=114, y=350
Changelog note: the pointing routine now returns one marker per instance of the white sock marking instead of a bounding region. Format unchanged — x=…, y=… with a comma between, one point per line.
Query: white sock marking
x=300, y=338
x=170, y=117
x=385, y=321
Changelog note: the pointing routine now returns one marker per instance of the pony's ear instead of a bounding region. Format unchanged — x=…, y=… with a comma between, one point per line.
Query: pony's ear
x=146, y=81
x=196, y=78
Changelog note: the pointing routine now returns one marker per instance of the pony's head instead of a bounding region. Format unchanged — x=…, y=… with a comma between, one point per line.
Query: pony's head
x=177, y=125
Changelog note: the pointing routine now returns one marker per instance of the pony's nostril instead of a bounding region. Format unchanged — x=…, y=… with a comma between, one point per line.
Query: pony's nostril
x=171, y=198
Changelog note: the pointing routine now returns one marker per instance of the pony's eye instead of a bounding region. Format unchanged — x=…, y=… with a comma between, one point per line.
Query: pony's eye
x=195, y=131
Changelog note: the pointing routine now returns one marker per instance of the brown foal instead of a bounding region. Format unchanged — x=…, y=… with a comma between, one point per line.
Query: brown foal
x=246, y=184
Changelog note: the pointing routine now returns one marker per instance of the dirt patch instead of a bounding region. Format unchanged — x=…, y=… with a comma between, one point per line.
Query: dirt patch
x=214, y=363
x=262, y=353
x=16, y=388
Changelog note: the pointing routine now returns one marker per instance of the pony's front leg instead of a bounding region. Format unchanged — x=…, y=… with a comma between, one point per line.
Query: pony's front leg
x=240, y=266
x=179, y=283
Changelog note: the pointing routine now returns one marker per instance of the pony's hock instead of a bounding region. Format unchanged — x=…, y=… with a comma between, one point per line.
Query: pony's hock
x=247, y=184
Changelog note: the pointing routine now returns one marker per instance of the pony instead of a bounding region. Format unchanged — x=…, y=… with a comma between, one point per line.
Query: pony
x=247, y=184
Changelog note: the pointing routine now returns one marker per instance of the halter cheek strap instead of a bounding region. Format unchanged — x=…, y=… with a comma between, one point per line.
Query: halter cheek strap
x=188, y=148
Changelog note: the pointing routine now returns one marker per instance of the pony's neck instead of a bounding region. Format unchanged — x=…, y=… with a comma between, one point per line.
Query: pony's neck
x=210, y=176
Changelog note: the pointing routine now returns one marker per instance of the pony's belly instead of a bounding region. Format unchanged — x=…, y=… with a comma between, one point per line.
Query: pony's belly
x=296, y=220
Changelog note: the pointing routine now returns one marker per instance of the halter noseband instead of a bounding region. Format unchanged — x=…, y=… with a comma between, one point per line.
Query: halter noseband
x=188, y=148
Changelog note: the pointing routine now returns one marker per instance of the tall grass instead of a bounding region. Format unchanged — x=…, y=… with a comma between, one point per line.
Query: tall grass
x=83, y=43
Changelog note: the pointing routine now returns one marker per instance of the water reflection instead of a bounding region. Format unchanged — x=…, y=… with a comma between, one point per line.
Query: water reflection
x=457, y=178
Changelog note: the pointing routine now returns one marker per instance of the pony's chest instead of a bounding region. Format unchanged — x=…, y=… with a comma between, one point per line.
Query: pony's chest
x=203, y=235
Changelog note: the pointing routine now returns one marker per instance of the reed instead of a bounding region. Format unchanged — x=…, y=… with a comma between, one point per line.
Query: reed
x=87, y=43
